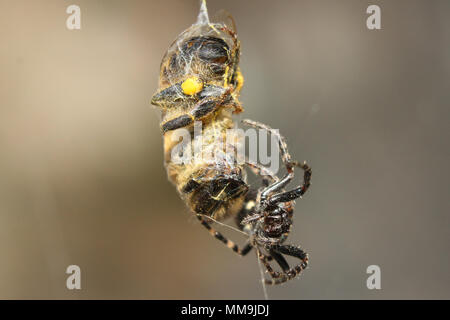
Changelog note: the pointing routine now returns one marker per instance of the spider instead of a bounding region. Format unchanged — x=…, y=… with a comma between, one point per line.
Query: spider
x=267, y=216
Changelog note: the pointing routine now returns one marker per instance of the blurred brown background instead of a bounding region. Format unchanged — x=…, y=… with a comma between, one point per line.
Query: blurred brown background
x=81, y=170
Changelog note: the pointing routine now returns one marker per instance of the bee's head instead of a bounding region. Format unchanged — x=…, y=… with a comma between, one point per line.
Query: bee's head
x=206, y=54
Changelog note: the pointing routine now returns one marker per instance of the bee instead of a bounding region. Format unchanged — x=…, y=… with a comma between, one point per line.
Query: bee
x=200, y=81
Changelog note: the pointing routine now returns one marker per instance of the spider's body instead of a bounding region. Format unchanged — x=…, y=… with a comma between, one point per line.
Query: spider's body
x=200, y=82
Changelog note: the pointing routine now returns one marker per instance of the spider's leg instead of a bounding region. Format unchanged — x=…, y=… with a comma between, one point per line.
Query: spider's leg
x=277, y=186
x=285, y=156
x=292, y=251
x=297, y=192
x=294, y=271
x=280, y=260
x=267, y=176
x=230, y=244
x=265, y=261
x=254, y=197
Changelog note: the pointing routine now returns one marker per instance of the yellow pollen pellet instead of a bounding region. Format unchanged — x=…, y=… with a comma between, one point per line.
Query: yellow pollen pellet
x=240, y=81
x=191, y=86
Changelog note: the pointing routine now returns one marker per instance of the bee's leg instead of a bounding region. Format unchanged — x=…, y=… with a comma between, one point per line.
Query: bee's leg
x=230, y=244
x=211, y=99
x=201, y=110
x=168, y=97
x=289, y=273
x=176, y=123
x=297, y=192
x=204, y=108
x=171, y=96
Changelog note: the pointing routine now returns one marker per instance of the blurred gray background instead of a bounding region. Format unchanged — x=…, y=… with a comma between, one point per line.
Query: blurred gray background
x=81, y=165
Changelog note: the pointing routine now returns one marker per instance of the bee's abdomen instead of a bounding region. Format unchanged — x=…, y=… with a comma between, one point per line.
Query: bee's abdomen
x=218, y=197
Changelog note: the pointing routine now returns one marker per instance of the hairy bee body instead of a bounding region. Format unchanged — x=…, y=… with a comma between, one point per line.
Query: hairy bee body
x=215, y=183
x=200, y=81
